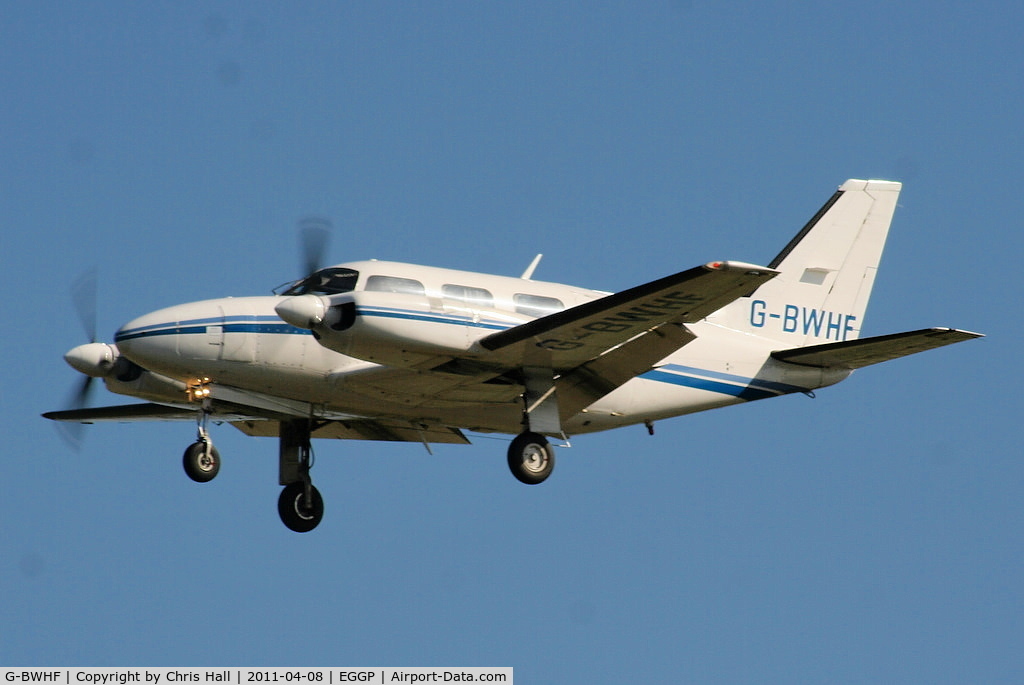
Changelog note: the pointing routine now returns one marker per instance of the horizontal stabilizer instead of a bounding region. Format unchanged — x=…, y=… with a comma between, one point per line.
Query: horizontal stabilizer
x=854, y=354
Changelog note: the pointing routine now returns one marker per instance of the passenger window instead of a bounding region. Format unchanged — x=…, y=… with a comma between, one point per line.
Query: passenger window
x=474, y=297
x=537, y=305
x=392, y=284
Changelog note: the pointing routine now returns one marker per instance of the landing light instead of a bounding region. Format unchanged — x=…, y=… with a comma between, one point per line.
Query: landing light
x=198, y=390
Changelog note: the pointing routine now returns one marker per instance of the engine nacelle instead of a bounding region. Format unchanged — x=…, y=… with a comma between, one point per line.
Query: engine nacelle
x=396, y=329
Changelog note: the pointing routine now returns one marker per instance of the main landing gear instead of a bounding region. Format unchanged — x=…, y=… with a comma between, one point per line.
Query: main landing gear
x=300, y=505
x=530, y=456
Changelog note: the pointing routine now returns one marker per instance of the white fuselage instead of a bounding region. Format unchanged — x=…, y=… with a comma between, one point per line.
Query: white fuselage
x=242, y=347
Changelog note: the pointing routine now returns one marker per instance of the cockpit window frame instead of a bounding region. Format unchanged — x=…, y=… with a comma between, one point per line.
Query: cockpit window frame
x=333, y=280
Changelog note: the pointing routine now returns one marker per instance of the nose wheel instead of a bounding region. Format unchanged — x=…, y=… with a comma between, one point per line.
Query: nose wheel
x=201, y=461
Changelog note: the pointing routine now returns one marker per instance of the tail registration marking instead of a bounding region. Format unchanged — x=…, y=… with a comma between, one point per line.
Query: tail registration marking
x=820, y=323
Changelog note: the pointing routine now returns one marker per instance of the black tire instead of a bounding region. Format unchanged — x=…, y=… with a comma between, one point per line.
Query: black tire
x=531, y=458
x=199, y=466
x=295, y=513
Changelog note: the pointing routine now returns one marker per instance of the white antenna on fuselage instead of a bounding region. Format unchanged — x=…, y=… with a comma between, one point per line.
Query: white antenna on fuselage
x=528, y=274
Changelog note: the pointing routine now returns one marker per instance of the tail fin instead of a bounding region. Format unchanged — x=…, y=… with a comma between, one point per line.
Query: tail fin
x=826, y=271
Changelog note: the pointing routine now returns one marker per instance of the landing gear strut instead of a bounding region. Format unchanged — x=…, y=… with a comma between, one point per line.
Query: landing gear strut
x=201, y=459
x=300, y=505
x=530, y=456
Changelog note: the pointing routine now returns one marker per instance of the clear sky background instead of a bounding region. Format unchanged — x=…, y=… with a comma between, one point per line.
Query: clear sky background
x=870, y=535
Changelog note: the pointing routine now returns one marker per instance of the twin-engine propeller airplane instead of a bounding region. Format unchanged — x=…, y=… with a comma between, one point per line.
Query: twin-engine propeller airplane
x=378, y=350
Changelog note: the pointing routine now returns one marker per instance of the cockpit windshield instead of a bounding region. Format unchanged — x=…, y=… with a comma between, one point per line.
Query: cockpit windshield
x=325, y=282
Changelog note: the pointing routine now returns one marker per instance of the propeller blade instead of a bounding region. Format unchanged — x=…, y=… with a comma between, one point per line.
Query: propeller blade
x=81, y=395
x=315, y=233
x=71, y=432
x=83, y=294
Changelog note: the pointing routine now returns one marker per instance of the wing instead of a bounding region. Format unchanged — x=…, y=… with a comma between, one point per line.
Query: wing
x=854, y=354
x=262, y=422
x=129, y=413
x=580, y=334
x=589, y=350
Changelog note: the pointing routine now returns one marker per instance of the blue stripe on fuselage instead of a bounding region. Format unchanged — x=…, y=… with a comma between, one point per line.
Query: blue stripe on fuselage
x=412, y=315
x=674, y=374
x=229, y=324
x=701, y=379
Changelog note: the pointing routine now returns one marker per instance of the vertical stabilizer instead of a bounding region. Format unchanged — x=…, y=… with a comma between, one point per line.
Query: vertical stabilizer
x=826, y=271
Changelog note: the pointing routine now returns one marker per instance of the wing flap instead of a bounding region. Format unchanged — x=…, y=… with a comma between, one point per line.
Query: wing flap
x=577, y=335
x=589, y=382
x=854, y=354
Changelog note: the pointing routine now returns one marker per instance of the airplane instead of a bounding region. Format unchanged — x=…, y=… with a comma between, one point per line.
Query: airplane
x=378, y=350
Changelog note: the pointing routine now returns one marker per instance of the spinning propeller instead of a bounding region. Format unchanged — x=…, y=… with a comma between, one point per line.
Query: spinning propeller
x=314, y=234
x=83, y=296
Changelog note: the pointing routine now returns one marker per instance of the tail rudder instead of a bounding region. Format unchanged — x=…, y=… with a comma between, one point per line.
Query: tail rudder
x=826, y=271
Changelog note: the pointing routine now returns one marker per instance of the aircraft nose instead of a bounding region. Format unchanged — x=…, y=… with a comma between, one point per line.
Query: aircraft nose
x=161, y=340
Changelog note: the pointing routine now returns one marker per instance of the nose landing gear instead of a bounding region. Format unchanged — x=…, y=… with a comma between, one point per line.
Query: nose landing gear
x=201, y=459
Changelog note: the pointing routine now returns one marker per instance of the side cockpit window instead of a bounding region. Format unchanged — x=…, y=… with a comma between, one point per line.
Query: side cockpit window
x=393, y=284
x=472, y=297
x=537, y=305
x=330, y=281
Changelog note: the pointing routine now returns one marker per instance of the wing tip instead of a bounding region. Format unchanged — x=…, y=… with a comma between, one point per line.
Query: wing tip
x=745, y=267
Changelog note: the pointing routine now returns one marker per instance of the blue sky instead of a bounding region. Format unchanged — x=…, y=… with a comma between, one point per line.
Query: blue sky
x=872, y=534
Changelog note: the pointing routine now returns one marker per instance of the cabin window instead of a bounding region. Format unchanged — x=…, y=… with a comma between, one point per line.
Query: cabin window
x=393, y=284
x=537, y=305
x=325, y=282
x=474, y=297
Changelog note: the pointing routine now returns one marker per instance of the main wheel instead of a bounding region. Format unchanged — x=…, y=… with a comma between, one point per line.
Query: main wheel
x=298, y=514
x=201, y=465
x=531, y=458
